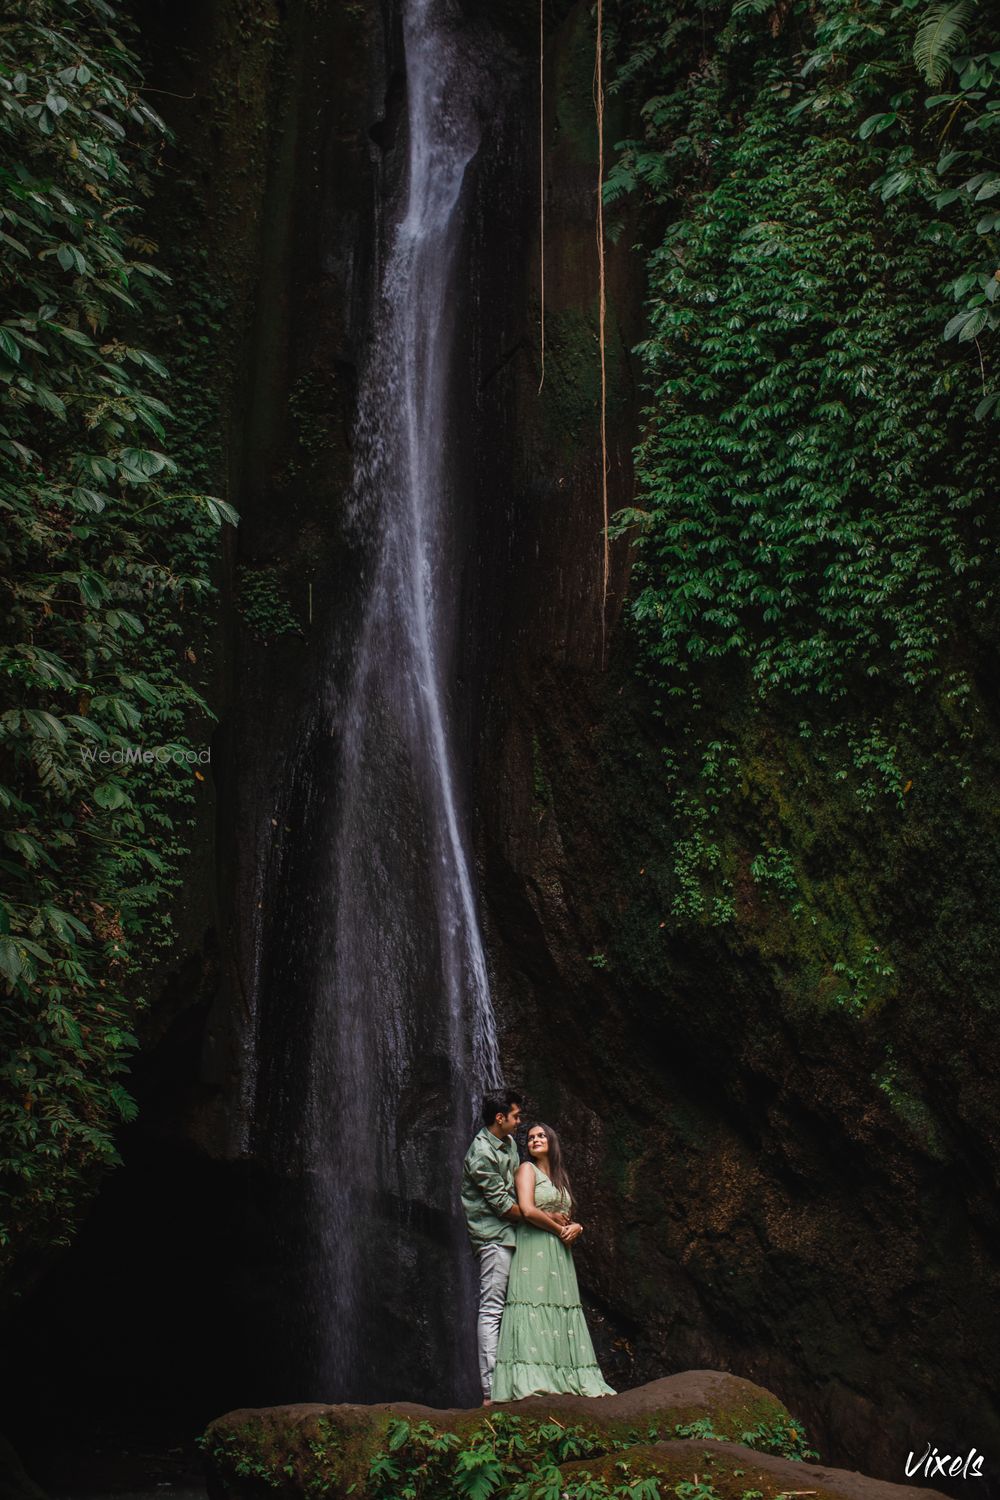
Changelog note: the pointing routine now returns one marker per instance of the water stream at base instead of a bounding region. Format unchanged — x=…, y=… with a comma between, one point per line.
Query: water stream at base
x=404, y=1038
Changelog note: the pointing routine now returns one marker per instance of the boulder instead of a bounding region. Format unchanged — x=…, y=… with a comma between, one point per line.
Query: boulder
x=731, y=1470
x=305, y=1449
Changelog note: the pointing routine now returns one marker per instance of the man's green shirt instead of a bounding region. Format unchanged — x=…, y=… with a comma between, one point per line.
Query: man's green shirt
x=488, y=1189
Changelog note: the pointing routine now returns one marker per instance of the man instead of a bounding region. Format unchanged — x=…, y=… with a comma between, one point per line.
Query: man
x=491, y=1211
x=490, y=1214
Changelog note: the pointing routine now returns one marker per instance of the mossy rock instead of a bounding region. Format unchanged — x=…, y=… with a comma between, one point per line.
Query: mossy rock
x=312, y=1449
x=732, y=1472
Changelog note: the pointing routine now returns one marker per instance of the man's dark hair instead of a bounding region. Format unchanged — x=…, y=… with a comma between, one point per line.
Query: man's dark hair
x=499, y=1104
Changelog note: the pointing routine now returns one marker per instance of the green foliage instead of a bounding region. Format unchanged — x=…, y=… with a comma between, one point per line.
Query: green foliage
x=701, y=1427
x=801, y=501
x=103, y=548
x=864, y=986
x=696, y=1489
x=697, y=853
x=625, y=1487
x=540, y=784
x=263, y=605
x=902, y=1090
x=784, y=1436
x=519, y=1460
x=508, y=1456
x=939, y=152
x=813, y=518
x=309, y=1468
x=312, y=404
x=773, y=868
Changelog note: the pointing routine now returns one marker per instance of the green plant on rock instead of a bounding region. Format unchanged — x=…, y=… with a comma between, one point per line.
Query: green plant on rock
x=701, y=1488
x=910, y=1107
x=541, y=786
x=701, y=1427
x=311, y=1464
x=623, y=1488
x=520, y=1460
x=312, y=405
x=774, y=869
x=263, y=604
x=866, y=985
x=703, y=889
x=506, y=1456
x=784, y=1436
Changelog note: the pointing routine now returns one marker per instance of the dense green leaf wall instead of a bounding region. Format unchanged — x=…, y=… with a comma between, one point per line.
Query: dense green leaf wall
x=107, y=541
x=815, y=512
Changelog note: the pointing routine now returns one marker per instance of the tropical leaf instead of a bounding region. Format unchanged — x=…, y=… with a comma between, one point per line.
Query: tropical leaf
x=941, y=32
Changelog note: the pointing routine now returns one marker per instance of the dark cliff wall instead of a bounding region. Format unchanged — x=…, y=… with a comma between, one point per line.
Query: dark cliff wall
x=765, y=1200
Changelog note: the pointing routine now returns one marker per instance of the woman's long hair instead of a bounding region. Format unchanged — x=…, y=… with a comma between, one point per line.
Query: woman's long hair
x=557, y=1172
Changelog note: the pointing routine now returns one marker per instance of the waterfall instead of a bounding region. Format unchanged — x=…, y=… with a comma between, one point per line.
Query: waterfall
x=404, y=1038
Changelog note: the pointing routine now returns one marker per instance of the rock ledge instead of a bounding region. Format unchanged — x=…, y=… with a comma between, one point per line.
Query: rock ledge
x=663, y=1431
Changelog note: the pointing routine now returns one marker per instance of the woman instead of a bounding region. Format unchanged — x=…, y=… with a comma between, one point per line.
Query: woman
x=544, y=1345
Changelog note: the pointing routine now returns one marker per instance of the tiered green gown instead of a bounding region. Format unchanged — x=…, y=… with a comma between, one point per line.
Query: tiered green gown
x=545, y=1347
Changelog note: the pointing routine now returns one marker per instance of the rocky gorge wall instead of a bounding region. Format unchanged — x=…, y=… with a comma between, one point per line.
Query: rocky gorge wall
x=792, y=1172
x=786, y=1142
x=772, y=1184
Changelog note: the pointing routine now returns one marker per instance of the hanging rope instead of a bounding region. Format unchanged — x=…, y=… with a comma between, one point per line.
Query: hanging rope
x=602, y=314
x=541, y=174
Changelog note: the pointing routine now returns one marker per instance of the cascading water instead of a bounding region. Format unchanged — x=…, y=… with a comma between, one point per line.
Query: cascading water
x=404, y=1037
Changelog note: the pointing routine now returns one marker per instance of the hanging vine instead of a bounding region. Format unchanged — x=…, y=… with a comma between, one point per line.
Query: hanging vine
x=602, y=319
x=541, y=185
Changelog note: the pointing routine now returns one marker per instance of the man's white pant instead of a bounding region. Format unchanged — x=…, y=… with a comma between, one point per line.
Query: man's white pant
x=494, y=1273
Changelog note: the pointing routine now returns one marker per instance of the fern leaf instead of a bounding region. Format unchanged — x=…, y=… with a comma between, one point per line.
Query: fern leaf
x=640, y=59
x=939, y=35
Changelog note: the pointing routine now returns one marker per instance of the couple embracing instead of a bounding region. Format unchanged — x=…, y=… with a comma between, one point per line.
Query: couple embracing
x=533, y=1338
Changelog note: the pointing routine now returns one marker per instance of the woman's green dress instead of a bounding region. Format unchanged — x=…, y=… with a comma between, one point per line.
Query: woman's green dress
x=545, y=1346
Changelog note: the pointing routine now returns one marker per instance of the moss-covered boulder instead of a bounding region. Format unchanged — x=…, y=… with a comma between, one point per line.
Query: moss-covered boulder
x=728, y=1471
x=365, y=1451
